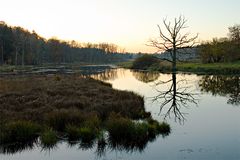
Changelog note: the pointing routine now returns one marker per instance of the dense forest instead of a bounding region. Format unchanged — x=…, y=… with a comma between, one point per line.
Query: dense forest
x=19, y=46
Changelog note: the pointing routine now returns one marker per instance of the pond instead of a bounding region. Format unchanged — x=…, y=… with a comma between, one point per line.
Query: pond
x=202, y=110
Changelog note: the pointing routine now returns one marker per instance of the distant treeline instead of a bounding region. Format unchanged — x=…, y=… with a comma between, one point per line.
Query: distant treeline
x=19, y=46
x=222, y=49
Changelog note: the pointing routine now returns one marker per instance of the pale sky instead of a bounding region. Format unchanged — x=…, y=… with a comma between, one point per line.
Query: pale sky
x=127, y=23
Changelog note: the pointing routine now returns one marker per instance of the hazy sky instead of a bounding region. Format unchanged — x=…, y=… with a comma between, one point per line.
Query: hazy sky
x=127, y=23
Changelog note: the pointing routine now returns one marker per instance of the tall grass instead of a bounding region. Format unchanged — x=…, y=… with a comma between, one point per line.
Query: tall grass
x=59, y=119
x=121, y=128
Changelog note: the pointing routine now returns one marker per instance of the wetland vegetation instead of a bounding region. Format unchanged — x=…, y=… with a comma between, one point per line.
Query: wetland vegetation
x=72, y=108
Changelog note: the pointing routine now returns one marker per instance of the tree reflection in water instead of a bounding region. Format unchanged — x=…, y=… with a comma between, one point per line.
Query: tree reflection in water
x=106, y=75
x=146, y=77
x=222, y=85
x=174, y=98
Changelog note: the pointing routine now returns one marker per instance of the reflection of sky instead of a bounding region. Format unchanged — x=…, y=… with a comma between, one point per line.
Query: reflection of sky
x=211, y=131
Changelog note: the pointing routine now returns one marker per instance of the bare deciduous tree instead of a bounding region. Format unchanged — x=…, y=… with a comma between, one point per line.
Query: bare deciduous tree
x=174, y=38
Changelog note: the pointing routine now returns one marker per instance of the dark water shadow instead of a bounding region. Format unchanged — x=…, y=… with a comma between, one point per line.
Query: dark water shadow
x=18, y=147
x=101, y=146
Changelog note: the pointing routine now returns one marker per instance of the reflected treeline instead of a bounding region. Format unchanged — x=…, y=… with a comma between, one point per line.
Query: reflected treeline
x=102, y=145
x=174, y=98
x=106, y=75
x=146, y=77
x=222, y=85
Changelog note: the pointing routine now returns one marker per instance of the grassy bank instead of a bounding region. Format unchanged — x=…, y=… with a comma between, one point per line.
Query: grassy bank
x=212, y=68
x=13, y=69
x=127, y=64
x=69, y=107
x=194, y=67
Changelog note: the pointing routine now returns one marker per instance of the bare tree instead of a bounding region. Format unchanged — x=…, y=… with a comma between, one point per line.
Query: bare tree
x=174, y=39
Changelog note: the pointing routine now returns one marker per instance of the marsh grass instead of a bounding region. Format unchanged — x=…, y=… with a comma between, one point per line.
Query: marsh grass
x=73, y=133
x=59, y=119
x=80, y=108
x=33, y=98
x=87, y=134
x=124, y=129
x=211, y=68
x=48, y=138
x=125, y=134
x=19, y=131
x=120, y=127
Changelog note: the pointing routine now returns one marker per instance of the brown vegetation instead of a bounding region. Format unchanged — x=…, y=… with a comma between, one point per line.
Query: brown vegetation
x=80, y=110
x=40, y=98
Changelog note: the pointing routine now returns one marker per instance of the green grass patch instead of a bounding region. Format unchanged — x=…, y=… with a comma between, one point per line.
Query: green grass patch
x=195, y=67
x=127, y=64
x=213, y=68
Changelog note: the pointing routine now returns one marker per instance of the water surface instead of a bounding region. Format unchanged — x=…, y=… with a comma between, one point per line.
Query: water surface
x=203, y=112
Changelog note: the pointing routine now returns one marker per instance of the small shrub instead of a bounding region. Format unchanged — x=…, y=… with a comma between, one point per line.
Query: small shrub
x=48, y=138
x=164, y=128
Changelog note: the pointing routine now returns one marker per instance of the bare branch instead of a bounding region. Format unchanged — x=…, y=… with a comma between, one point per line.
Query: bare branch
x=173, y=39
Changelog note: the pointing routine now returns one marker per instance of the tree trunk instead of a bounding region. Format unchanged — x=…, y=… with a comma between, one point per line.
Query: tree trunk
x=2, y=61
x=16, y=56
x=174, y=67
x=23, y=52
x=174, y=88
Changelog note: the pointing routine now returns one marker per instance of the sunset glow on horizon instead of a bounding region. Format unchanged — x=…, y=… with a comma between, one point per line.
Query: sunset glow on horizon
x=127, y=23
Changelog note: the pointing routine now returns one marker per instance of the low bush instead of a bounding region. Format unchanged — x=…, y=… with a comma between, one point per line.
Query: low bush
x=144, y=62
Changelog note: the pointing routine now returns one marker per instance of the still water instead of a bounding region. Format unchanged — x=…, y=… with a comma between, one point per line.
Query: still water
x=202, y=110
